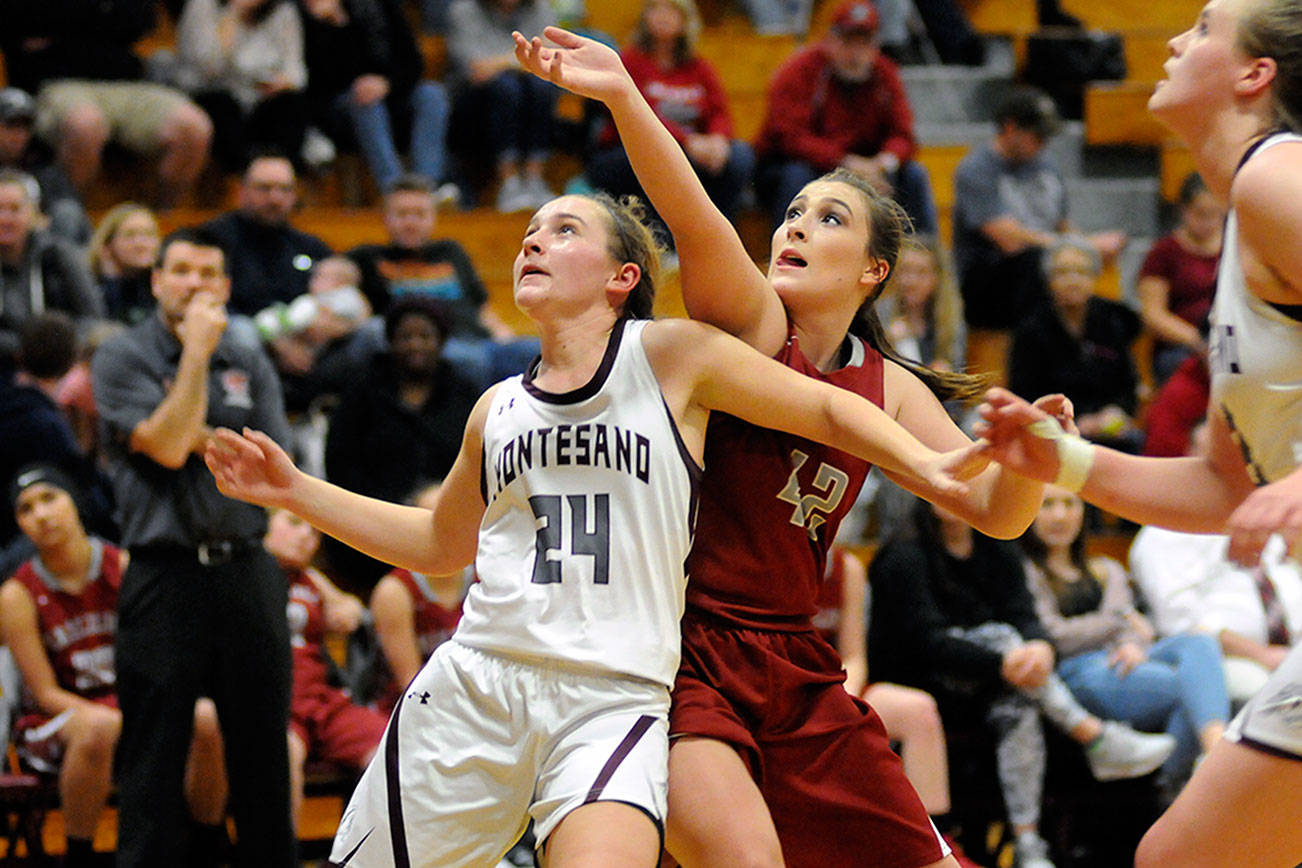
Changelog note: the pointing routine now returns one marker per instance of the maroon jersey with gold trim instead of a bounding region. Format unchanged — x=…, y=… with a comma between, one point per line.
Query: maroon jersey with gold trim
x=434, y=621
x=770, y=506
x=78, y=630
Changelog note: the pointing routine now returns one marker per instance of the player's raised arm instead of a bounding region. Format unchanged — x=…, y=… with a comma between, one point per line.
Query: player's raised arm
x=721, y=284
x=251, y=467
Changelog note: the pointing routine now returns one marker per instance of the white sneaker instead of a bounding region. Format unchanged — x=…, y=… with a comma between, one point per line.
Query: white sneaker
x=448, y=197
x=1031, y=851
x=318, y=150
x=512, y=196
x=1121, y=752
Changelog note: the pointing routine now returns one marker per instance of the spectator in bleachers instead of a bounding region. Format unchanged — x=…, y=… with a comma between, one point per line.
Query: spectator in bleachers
x=952, y=615
x=268, y=260
x=1080, y=345
x=77, y=58
x=325, y=724
x=1010, y=204
x=401, y=426
x=415, y=263
x=921, y=309
x=1178, y=279
x=366, y=70
x=839, y=102
x=38, y=271
x=947, y=30
x=1190, y=584
x=779, y=17
x=20, y=149
x=58, y=616
x=1110, y=657
x=414, y=614
x=512, y=111
x=242, y=61
x=685, y=92
x=34, y=430
x=909, y=714
x=318, y=340
x=123, y=251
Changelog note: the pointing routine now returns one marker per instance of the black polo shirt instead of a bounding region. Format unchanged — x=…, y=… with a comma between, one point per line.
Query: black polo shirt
x=156, y=505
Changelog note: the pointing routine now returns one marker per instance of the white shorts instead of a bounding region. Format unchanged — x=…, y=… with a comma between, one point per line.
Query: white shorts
x=479, y=743
x=1272, y=720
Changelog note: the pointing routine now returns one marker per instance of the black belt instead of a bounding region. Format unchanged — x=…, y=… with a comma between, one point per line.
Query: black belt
x=210, y=553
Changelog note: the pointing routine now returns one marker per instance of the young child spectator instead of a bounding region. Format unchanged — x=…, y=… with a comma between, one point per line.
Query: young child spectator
x=19, y=149
x=951, y=615
x=839, y=102
x=1010, y=204
x=38, y=272
x=242, y=61
x=365, y=69
x=1080, y=345
x=79, y=61
x=415, y=263
x=1109, y=655
x=1178, y=278
x=58, y=615
x=512, y=110
x=324, y=722
x=123, y=251
x=686, y=94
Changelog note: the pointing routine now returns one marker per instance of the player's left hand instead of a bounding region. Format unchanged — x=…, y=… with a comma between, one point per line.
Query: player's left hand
x=1271, y=509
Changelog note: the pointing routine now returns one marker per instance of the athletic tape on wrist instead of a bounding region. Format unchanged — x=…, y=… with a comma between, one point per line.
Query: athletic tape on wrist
x=1075, y=454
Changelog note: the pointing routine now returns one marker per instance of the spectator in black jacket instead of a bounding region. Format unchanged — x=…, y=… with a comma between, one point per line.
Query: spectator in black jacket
x=365, y=69
x=267, y=259
x=77, y=57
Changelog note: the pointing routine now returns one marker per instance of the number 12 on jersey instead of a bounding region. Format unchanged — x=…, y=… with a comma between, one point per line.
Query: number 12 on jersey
x=589, y=534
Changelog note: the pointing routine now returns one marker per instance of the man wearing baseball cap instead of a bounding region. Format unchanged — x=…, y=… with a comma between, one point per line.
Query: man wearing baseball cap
x=839, y=102
x=19, y=149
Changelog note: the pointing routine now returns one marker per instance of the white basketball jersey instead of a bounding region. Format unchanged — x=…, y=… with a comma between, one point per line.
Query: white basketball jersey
x=1256, y=362
x=591, y=501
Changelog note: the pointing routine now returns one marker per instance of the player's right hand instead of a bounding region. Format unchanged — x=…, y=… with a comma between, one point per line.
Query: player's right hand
x=251, y=467
x=580, y=65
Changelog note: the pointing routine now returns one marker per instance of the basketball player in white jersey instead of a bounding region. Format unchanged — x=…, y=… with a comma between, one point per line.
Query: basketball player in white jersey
x=574, y=494
x=1233, y=93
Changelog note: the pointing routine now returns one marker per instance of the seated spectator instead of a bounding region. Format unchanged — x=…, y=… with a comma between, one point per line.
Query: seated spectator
x=950, y=36
x=324, y=722
x=38, y=272
x=242, y=61
x=685, y=92
x=1109, y=655
x=77, y=58
x=952, y=615
x=268, y=260
x=366, y=70
x=909, y=715
x=921, y=309
x=58, y=615
x=1191, y=585
x=400, y=428
x=839, y=102
x=1080, y=345
x=414, y=614
x=1178, y=278
x=1010, y=204
x=318, y=341
x=19, y=149
x=415, y=263
x=33, y=429
x=123, y=251
x=1178, y=408
x=510, y=111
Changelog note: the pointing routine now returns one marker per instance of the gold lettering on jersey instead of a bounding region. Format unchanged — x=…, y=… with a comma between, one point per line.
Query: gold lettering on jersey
x=591, y=444
x=812, y=509
x=79, y=627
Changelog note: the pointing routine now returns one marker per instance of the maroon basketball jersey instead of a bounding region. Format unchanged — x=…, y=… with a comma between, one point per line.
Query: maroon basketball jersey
x=78, y=630
x=306, y=612
x=770, y=506
x=435, y=622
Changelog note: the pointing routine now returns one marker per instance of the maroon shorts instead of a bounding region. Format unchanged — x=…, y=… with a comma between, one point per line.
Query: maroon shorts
x=822, y=759
x=333, y=727
x=38, y=737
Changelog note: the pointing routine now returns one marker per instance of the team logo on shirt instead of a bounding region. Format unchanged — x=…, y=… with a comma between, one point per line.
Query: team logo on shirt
x=813, y=508
x=235, y=389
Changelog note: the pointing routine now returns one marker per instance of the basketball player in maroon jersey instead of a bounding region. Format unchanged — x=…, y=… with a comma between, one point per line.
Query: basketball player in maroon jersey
x=58, y=616
x=773, y=761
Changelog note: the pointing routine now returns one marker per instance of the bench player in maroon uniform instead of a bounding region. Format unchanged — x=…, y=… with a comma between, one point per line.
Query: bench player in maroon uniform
x=58, y=615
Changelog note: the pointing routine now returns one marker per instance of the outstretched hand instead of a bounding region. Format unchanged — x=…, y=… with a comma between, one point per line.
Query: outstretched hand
x=948, y=471
x=1006, y=423
x=250, y=467
x=578, y=64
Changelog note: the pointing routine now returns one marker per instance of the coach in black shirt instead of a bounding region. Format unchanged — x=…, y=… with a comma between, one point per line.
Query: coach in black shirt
x=202, y=608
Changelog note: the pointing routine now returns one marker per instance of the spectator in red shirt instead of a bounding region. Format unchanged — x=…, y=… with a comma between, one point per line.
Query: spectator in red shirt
x=839, y=102
x=686, y=94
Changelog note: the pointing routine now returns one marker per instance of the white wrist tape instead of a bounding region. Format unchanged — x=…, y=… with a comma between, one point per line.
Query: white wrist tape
x=1075, y=454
